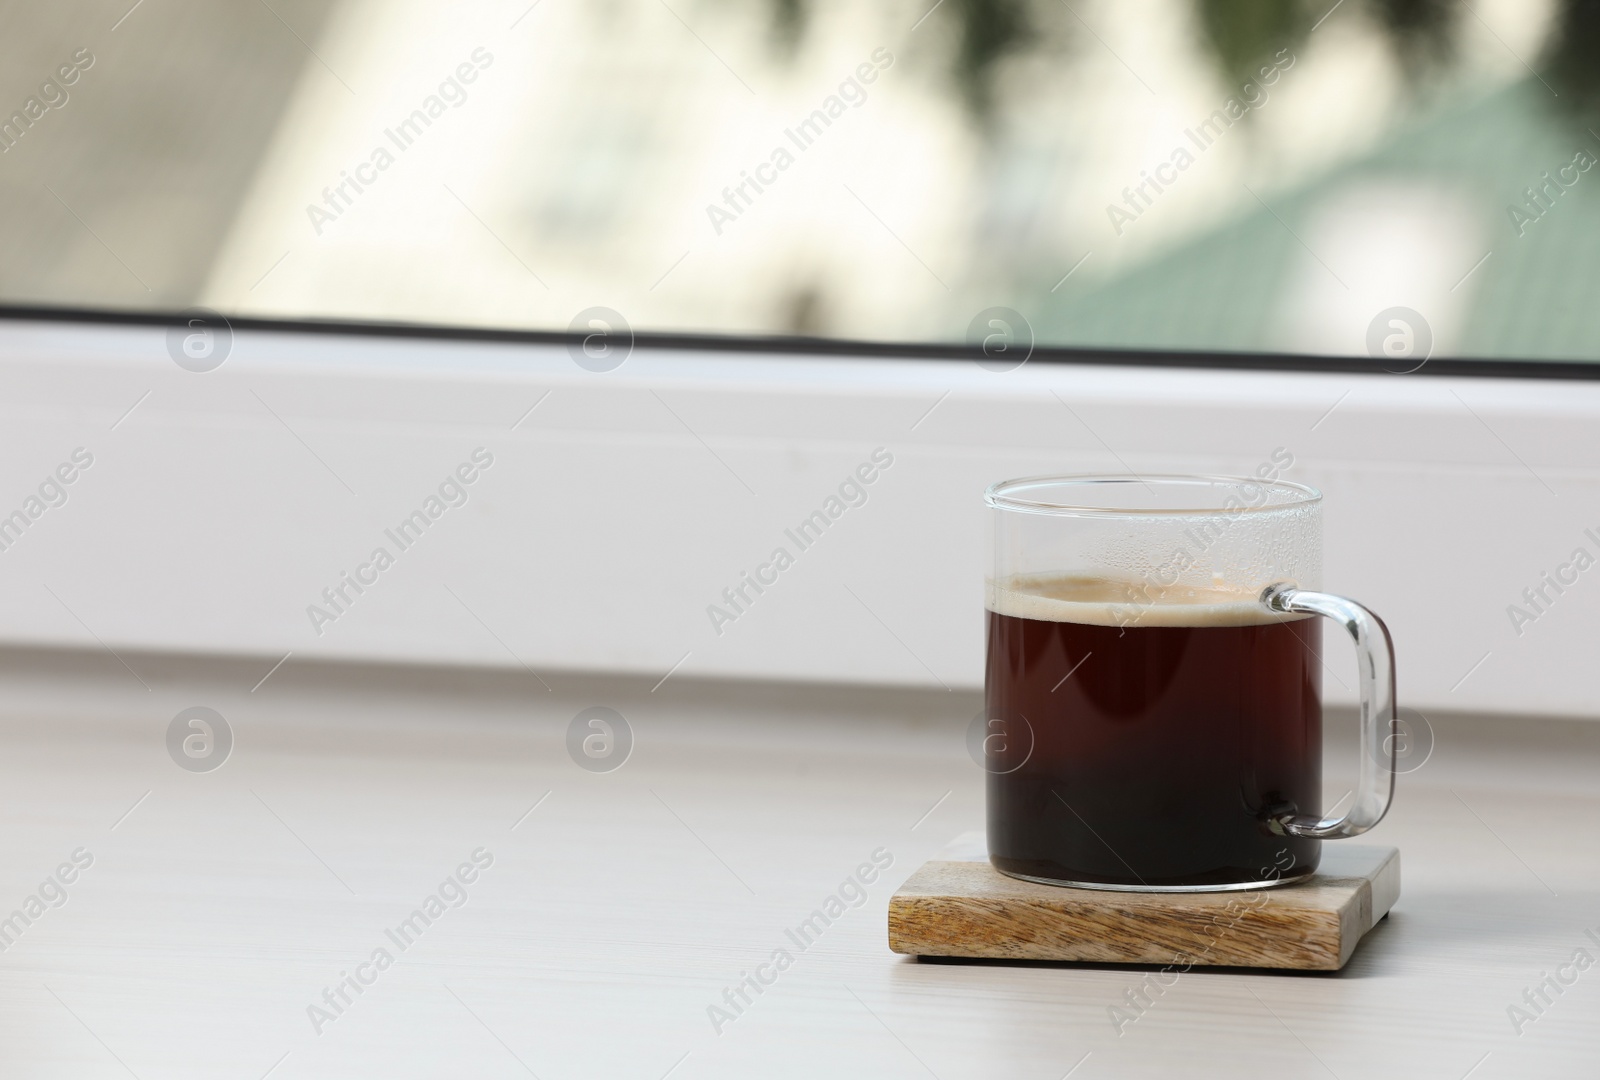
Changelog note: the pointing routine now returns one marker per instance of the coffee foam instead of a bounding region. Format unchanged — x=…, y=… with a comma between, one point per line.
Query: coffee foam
x=1108, y=602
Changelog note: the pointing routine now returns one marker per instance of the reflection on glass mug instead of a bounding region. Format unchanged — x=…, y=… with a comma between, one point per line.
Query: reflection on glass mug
x=1153, y=712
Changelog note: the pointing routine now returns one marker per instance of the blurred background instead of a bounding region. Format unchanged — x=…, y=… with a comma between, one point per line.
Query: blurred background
x=1162, y=174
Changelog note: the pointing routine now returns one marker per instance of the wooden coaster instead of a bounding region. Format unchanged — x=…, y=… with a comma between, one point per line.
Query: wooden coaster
x=959, y=905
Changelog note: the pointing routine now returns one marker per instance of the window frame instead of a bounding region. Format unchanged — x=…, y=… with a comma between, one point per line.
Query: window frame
x=1420, y=499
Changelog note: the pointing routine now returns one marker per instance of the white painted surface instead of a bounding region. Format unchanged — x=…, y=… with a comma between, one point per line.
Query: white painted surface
x=613, y=915
x=624, y=504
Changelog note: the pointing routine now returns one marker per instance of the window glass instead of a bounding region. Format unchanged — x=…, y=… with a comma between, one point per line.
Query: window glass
x=1385, y=177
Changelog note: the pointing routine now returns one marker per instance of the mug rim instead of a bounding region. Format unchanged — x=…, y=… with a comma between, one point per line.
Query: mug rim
x=999, y=495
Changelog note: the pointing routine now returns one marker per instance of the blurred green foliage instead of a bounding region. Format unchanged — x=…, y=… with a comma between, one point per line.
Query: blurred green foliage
x=1572, y=62
x=1242, y=34
x=990, y=29
x=1422, y=32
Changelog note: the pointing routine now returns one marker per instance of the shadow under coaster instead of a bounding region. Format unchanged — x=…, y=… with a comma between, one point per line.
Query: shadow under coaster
x=959, y=905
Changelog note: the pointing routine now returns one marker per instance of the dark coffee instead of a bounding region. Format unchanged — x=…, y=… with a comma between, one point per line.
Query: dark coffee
x=1186, y=726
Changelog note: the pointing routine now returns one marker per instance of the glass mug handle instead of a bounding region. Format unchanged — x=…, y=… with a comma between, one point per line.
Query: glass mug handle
x=1375, y=658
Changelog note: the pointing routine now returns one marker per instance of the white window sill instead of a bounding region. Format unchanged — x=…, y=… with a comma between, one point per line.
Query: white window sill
x=622, y=506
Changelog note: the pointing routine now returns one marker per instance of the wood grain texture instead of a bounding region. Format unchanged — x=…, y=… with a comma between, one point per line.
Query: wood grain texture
x=959, y=905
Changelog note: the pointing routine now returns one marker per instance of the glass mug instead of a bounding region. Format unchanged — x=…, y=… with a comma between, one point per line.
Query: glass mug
x=1153, y=684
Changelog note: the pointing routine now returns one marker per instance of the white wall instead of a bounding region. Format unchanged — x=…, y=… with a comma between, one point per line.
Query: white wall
x=622, y=506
